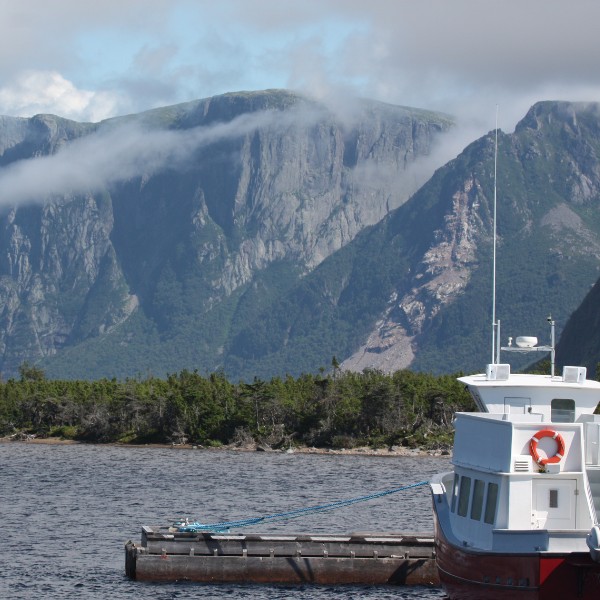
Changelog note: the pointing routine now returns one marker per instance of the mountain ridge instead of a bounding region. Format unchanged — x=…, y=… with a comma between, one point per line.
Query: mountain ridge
x=260, y=234
x=151, y=264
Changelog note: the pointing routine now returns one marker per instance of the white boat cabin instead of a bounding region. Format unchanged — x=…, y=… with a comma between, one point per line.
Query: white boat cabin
x=527, y=467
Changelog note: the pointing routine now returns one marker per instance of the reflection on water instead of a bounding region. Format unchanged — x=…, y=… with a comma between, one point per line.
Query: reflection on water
x=67, y=511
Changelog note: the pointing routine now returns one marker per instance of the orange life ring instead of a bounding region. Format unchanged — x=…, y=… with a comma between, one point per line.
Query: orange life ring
x=533, y=447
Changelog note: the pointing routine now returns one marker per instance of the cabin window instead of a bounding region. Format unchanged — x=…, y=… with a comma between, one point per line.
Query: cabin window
x=455, y=492
x=477, y=503
x=553, y=499
x=464, y=495
x=490, y=504
x=563, y=410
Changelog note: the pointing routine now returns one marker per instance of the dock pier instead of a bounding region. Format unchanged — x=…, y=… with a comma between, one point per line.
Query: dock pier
x=166, y=554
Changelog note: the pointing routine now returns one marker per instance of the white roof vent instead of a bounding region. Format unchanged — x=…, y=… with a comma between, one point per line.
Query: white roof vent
x=574, y=374
x=497, y=372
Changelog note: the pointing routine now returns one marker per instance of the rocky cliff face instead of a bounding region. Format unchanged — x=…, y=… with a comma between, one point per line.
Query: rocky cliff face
x=439, y=279
x=115, y=280
x=55, y=260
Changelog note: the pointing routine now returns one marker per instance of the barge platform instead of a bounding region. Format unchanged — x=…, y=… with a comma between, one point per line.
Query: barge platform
x=166, y=554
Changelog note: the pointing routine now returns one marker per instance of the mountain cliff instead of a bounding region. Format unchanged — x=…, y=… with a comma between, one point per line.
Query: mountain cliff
x=415, y=290
x=262, y=234
x=150, y=242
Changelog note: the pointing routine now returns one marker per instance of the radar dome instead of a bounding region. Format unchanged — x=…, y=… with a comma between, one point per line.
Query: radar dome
x=526, y=341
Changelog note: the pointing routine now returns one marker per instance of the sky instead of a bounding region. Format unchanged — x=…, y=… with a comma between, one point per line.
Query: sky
x=89, y=60
x=477, y=60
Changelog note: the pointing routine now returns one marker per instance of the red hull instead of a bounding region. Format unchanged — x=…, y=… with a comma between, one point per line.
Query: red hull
x=471, y=575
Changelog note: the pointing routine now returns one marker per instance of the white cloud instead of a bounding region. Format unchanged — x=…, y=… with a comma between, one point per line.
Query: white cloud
x=36, y=92
x=458, y=56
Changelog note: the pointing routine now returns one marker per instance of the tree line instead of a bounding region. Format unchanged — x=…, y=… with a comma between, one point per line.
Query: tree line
x=334, y=410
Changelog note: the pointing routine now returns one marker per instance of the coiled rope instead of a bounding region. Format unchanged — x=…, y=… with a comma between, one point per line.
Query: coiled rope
x=225, y=526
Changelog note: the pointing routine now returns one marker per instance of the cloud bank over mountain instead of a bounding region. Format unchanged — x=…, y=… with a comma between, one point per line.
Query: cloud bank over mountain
x=89, y=61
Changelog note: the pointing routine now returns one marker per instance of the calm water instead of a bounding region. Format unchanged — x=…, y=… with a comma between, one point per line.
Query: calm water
x=66, y=512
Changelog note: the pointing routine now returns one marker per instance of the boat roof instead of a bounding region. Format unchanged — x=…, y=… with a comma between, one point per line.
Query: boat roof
x=527, y=380
x=499, y=391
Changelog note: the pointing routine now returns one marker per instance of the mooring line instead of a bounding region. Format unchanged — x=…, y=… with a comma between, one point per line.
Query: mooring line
x=225, y=526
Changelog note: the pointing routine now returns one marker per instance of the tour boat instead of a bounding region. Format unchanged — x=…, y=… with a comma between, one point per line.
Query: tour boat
x=518, y=515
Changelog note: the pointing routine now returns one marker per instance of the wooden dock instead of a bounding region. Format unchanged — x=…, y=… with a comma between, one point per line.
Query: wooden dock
x=358, y=558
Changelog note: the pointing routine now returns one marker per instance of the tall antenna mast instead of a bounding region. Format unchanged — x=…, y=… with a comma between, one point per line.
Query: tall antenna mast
x=495, y=356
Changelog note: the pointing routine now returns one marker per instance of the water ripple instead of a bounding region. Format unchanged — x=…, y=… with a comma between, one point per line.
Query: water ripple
x=68, y=510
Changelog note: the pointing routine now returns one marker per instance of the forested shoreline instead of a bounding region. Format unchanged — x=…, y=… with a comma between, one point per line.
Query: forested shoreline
x=335, y=410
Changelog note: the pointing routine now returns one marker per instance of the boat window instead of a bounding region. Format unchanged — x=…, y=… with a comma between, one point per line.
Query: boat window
x=553, y=499
x=455, y=492
x=517, y=404
x=477, y=504
x=491, y=502
x=563, y=410
x=464, y=495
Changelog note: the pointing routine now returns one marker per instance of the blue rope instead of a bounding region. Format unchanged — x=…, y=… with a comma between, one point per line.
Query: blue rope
x=225, y=526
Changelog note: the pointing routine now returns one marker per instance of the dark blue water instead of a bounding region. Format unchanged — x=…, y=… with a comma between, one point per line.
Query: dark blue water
x=67, y=510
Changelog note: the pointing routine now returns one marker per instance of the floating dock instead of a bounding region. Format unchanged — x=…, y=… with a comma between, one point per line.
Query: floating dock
x=166, y=554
